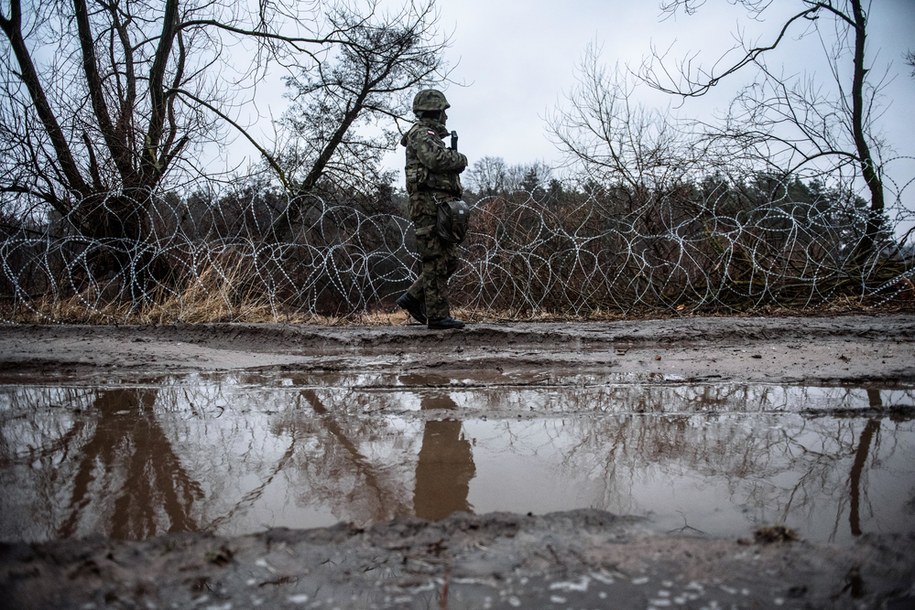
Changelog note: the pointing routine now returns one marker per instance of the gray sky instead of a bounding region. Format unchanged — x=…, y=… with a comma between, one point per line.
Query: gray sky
x=516, y=61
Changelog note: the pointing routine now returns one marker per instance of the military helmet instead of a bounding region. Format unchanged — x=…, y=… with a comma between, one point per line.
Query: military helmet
x=429, y=100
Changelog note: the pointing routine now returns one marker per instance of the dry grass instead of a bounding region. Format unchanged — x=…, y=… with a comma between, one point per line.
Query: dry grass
x=197, y=306
x=228, y=288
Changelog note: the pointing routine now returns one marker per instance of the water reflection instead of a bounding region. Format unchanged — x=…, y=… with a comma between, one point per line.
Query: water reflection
x=236, y=454
x=126, y=472
x=345, y=461
x=444, y=466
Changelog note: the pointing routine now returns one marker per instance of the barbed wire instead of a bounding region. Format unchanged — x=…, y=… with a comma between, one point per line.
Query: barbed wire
x=526, y=254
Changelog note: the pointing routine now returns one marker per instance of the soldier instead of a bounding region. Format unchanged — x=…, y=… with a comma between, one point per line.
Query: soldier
x=432, y=172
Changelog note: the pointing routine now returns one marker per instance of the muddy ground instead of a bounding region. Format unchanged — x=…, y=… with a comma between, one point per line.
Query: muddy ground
x=578, y=559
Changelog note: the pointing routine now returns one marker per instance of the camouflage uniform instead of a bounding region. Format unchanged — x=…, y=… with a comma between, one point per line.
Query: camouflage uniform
x=432, y=176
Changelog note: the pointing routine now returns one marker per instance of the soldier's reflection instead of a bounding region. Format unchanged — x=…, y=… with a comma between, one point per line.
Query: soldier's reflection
x=445, y=466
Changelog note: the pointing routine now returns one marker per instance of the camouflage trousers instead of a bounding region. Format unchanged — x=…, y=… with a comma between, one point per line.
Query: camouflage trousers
x=439, y=260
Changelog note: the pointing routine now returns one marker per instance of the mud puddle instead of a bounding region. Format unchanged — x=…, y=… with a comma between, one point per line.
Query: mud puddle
x=237, y=453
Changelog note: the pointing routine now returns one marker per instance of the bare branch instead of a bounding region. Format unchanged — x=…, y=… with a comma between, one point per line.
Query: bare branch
x=693, y=86
x=263, y=151
x=12, y=28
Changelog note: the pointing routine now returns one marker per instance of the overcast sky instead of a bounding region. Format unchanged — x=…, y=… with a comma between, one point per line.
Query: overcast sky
x=518, y=60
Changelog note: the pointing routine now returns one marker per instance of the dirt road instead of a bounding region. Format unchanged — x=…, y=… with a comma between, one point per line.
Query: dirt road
x=782, y=349
x=578, y=559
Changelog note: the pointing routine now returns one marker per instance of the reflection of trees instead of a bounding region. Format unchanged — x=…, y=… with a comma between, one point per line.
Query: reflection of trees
x=35, y=441
x=857, y=468
x=99, y=462
x=128, y=464
x=336, y=466
x=356, y=446
x=252, y=496
x=323, y=443
x=778, y=466
x=339, y=473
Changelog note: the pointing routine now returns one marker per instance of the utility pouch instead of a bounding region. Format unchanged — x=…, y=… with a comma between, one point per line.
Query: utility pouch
x=453, y=218
x=417, y=177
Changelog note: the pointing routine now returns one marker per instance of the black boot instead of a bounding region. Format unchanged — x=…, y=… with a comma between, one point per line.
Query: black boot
x=413, y=307
x=445, y=324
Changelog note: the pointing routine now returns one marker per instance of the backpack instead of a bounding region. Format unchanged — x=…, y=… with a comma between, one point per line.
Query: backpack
x=453, y=219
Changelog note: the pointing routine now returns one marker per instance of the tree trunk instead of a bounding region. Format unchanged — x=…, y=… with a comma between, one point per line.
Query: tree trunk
x=868, y=167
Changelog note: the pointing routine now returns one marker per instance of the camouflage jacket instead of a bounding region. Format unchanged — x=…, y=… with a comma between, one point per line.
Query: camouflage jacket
x=431, y=166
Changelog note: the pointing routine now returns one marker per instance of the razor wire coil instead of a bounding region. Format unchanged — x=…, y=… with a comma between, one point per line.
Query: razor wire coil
x=524, y=255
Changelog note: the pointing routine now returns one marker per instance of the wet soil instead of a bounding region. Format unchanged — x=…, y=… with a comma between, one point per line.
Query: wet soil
x=575, y=559
x=780, y=349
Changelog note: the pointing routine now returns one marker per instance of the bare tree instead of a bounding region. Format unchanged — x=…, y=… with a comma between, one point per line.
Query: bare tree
x=112, y=96
x=789, y=121
x=615, y=140
x=530, y=177
x=368, y=86
x=487, y=176
x=492, y=176
x=107, y=103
